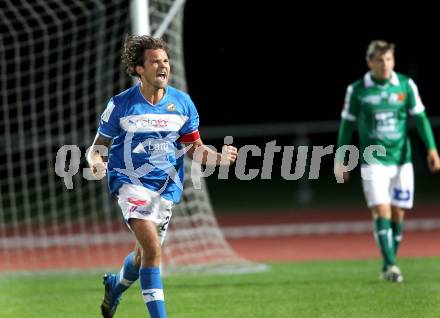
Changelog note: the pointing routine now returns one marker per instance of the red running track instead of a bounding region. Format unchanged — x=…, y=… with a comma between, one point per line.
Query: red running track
x=330, y=246
x=280, y=248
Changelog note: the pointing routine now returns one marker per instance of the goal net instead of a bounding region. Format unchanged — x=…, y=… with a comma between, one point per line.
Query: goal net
x=59, y=64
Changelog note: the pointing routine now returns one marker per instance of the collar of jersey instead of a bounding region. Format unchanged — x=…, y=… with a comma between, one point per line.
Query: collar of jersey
x=368, y=80
x=163, y=100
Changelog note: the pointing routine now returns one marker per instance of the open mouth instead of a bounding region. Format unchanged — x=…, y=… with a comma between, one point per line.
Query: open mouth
x=162, y=75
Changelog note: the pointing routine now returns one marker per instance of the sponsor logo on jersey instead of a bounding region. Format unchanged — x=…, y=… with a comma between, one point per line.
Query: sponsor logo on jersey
x=149, y=146
x=396, y=98
x=152, y=122
x=148, y=122
x=372, y=99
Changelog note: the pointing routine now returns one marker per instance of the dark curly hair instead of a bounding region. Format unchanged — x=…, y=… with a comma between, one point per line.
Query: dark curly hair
x=134, y=48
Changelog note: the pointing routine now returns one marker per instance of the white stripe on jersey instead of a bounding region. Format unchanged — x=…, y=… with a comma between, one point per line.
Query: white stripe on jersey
x=108, y=111
x=345, y=112
x=101, y=133
x=152, y=122
x=419, y=108
x=346, y=115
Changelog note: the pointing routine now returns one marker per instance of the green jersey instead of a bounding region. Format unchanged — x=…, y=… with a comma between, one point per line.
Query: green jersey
x=381, y=111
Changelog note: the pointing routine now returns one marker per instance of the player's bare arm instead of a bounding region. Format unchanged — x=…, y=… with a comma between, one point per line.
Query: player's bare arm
x=207, y=156
x=433, y=160
x=96, y=159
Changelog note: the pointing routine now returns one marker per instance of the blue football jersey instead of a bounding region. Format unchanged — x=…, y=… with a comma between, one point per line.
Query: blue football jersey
x=147, y=140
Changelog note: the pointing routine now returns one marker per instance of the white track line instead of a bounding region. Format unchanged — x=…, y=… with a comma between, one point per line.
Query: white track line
x=231, y=232
x=352, y=227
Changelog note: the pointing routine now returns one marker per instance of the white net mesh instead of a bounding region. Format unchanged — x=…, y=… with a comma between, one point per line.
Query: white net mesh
x=60, y=62
x=195, y=242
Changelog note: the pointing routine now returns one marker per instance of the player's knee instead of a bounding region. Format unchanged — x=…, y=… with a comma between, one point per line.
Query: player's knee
x=397, y=214
x=151, y=254
x=382, y=211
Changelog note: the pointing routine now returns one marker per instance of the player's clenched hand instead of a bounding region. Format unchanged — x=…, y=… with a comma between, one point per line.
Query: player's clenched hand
x=229, y=155
x=99, y=169
x=433, y=160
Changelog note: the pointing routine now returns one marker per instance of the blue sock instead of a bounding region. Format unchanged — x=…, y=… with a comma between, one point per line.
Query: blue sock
x=127, y=276
x=152, y=291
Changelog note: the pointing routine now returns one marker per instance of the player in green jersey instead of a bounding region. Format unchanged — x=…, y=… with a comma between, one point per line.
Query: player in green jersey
x=379, y=105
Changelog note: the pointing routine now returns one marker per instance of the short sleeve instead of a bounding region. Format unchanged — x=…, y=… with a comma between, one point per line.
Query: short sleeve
x=109, y=122
x=190, y=129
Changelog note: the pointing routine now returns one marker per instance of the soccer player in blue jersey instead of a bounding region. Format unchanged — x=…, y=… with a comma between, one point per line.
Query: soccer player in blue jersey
x=149, y=128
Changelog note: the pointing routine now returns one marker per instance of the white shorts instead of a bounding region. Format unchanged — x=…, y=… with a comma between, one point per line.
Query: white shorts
x=137, y=202
x=388, y=185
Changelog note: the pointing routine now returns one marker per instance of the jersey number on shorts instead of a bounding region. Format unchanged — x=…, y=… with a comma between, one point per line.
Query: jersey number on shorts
x=165, y=224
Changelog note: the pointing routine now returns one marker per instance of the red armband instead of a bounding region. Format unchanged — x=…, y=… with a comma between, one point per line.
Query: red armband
x=191, y=137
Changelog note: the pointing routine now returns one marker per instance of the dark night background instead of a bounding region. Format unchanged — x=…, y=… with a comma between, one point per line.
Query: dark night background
x=268, y=62
x=253, y=63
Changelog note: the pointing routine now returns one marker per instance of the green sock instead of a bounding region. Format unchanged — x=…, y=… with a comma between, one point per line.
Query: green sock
x=397, y=228
x=383, y=236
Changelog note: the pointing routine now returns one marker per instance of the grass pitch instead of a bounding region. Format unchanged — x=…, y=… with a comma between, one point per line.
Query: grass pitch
x=307, y=289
